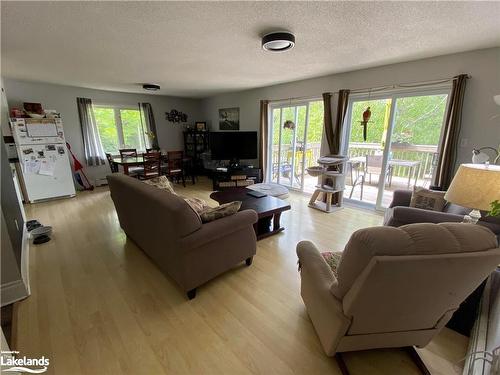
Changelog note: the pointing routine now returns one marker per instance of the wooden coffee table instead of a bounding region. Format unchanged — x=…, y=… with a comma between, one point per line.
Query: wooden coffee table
x=268, y=209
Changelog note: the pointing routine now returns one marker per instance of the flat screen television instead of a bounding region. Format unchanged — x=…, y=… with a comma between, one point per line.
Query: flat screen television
x=233, y=145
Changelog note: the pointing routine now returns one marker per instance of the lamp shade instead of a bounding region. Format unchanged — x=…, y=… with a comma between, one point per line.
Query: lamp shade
x=475, y=186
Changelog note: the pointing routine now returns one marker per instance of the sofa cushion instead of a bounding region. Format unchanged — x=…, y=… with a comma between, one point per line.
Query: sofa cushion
x=413, y=239
x=161, y=182
x=223, y=210
x=427, y=199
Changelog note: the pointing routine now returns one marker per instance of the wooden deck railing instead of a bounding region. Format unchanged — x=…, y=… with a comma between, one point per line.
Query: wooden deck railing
x=426, y=154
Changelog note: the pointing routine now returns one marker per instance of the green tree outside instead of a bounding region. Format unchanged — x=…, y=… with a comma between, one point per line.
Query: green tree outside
x=132, y=133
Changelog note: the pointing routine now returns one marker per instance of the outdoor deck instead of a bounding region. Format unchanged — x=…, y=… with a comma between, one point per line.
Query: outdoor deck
x=369, y=190
x=411, y=165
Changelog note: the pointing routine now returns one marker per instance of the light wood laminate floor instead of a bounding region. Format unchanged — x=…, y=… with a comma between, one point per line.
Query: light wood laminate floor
x=100, y=306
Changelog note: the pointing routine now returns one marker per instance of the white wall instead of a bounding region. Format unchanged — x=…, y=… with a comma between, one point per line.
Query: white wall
x=478, y=129
x=63, y=99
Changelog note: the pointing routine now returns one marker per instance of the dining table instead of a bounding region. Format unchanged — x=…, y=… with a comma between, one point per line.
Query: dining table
x=135, y=161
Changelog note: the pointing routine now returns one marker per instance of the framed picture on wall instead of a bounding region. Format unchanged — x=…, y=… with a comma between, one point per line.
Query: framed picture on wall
x=200, y=126
x=229, y=119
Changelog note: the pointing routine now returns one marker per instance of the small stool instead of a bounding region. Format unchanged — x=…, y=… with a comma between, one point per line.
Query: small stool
x=270, y=188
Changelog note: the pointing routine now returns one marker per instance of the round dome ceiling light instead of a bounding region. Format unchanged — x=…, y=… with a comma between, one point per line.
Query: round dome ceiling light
x=150, y=87
x=278, y=41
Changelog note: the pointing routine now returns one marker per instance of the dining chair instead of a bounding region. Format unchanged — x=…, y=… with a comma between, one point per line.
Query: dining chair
x=128, y=152
x=175, y=168
x=151, y=165
x=133, y=170
x=112, y=165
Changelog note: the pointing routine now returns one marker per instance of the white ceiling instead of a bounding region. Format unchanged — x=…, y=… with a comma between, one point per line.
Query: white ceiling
x=203, y=48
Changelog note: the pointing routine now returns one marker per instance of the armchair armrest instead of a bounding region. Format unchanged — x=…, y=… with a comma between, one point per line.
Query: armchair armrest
x=312, y=263
x=401, y=198
x=324, y=309
x=410, y=215
x=219, y=228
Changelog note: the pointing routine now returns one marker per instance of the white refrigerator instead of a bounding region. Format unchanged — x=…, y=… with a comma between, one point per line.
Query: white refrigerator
x=43, y=156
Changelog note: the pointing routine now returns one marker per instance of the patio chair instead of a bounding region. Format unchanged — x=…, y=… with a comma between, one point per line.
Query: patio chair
x=372, y=165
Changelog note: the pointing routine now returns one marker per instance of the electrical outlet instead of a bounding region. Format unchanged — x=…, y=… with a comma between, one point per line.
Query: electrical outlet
x=464, y=142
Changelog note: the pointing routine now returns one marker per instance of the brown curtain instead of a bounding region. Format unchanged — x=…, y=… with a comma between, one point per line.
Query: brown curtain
x=334, y=131
x=264, y=129
x=327, y=120
x=448, y=149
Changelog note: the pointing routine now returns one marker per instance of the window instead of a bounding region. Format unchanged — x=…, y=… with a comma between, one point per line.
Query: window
x=402, y=143
x=120, y=127
x=295, y=142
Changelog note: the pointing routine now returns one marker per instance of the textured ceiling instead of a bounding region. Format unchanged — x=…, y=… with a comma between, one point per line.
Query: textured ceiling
x=203, y=48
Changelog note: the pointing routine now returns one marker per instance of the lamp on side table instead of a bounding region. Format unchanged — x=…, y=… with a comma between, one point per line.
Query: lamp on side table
x=475, y=186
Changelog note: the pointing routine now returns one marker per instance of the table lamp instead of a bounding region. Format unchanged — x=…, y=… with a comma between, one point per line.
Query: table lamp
x=475, y=186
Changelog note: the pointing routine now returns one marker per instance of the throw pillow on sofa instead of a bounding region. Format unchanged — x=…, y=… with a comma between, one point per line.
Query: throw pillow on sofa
x=427, y=199
x=226, y=209
x=197, y=204
x=161, y=182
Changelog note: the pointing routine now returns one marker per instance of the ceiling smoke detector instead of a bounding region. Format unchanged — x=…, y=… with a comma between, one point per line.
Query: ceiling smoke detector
x=279, y=41
x=150, y=87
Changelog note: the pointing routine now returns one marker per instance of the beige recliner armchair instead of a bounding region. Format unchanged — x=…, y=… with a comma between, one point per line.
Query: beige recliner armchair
x=394, y=287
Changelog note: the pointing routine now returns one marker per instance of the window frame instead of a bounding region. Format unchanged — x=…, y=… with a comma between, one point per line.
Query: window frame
x=118, y=121
x=394, y=94
x=281, y=104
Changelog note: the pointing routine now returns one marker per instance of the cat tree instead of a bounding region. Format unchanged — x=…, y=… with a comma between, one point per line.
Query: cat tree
x=329, y=192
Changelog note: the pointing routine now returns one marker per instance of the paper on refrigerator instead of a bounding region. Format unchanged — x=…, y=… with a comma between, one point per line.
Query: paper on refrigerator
x=47, y=167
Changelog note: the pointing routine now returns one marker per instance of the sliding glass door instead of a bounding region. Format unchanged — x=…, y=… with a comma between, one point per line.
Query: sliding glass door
x=401, y=145
x=295, y=139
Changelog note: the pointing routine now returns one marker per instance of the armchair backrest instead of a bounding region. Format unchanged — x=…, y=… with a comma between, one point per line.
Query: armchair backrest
x=412, y=277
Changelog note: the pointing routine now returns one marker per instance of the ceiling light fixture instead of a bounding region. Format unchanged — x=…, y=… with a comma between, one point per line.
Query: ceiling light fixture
x=279, y=41
x=150, y=87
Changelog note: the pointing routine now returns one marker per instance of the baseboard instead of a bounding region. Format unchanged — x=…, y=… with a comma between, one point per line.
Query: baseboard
x=13, y=292
x=101, y=181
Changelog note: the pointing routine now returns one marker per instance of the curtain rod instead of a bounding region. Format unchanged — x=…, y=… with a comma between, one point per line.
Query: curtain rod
x=381, y=88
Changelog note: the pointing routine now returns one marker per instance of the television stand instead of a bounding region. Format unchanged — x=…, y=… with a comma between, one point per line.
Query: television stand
x=235, y=177
x=234, y=164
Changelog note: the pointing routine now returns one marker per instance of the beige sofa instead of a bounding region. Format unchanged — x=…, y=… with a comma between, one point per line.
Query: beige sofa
x=394, y=287
x=165, y=227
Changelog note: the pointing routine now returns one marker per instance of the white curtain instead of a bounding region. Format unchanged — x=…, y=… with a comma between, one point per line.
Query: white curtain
x=148, y=124
x=94, y=152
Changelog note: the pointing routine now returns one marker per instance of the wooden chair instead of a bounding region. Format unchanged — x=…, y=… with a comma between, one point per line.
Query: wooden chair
x=133, y=171
x=112, y=165
x=175, y=168
x=128, y=152
x=152, y=165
